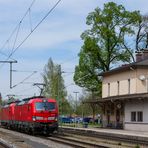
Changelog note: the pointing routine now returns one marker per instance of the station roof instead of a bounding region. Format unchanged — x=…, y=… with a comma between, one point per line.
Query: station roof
x=127, y=97
x=139, y=96
x=131, y=66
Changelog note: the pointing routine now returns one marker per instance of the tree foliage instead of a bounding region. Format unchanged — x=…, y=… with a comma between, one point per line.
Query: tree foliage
x=85, y=108
x=104, y=43
x=142, y=34
x=54, y=85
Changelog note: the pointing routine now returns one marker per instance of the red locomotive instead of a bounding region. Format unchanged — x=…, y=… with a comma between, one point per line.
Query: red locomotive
x=31, y=115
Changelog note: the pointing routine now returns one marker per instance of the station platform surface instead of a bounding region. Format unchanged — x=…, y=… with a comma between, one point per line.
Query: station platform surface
x=122, y=132
x=125, y=134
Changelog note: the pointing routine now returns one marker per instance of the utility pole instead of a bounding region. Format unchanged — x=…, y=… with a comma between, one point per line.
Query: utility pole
x=10, y=62
x=59, y=93
x=11, y=72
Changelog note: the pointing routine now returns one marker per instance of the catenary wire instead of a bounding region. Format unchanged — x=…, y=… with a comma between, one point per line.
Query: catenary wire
x=17, y=26
x=34, y=29
x=31, y=29
x=24, y=79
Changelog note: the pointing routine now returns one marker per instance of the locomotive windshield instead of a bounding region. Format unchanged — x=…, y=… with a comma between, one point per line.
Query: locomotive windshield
x=45, y=106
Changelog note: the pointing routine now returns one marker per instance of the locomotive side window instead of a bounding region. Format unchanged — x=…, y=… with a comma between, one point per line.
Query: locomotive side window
x=45, y=106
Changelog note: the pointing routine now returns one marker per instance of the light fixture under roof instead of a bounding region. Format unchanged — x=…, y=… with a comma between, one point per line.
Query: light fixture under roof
x=142, y=77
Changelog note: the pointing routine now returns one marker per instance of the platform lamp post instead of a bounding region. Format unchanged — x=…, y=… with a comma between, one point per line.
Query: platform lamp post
x=76, y=95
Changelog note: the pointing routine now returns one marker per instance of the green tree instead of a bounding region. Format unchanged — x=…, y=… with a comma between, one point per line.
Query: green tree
x=142, y=34
x=66, y=108
x=85, y=108
x=104, y=43
x=54, y=85
x=72, y=103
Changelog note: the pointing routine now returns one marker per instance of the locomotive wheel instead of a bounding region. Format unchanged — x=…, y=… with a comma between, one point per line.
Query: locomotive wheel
x=46, y=133
x=27, y=130
x=33, y=132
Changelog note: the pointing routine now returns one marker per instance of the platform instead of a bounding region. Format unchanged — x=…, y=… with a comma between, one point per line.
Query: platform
x=125, y=135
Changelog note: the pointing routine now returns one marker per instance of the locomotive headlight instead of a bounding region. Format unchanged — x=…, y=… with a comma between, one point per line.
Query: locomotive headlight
x=34, y=118
x=56, y=118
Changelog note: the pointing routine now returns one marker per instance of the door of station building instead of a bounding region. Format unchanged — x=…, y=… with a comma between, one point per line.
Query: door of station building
x=118, y=116
x=118, y=124
x=108, y=117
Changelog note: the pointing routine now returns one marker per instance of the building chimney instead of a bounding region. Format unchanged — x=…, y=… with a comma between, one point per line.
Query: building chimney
x=139, y=56
x=142, y=55
x=145, y=54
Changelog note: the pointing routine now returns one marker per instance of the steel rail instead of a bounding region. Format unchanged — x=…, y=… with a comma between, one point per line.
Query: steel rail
x=75, y=142
x=120, y=138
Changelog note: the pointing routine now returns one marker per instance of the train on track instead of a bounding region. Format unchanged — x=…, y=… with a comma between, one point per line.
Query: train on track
x=31, y=115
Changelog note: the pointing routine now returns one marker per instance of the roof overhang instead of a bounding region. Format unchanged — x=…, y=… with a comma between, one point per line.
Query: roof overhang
x=131, y=66
x=139, y=96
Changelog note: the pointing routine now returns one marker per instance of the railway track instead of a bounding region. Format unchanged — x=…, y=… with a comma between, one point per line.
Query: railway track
x=4, y=145
x=107, y=138
x=78, y=139
x=74, y=142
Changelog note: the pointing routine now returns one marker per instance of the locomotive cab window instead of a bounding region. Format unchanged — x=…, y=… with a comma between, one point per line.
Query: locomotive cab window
x=45, y=106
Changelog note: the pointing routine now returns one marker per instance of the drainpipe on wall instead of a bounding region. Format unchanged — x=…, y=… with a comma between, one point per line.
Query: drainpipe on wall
x=147, y=84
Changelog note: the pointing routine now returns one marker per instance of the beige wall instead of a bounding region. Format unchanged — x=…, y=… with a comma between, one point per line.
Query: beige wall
x=142, y=85
x=136, y=85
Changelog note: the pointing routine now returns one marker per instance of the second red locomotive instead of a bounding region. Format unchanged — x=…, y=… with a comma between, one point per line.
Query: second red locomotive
x=31, y=115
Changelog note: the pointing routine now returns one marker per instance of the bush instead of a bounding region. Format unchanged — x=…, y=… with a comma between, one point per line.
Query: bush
x=137, y=146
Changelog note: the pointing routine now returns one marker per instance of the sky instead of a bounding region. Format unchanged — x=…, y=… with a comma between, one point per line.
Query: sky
x=58, y=37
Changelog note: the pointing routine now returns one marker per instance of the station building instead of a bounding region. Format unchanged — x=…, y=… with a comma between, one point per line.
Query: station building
x=124, y=99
